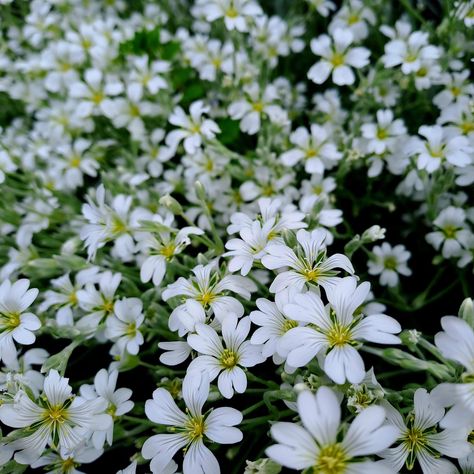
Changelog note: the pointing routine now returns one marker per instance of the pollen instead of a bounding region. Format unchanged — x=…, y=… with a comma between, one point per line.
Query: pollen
x=168, y=251
x=258, y=106
x=56, y=414
x=337, y=59
x=10, y=321
x=339, y=335
x=288, y=324
x=97, y=98
x=195, y=428
x=312, y=274
x=206, y=298
x=382, y=134
x=232, y=12
x=332, y=459
x=229, y=359
x=450, y=231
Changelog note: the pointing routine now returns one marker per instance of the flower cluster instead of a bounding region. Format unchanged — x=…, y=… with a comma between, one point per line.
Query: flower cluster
x=195, y=273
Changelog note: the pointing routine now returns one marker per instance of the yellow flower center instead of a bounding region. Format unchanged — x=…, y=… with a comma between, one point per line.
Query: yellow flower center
x=75, y=162
x=73, y=298
x=288, y=324
x=195, y=428
x=118, y=226
x=311, y=274
x=258, y=106
x=134, y=110
x=382, y=134
x=337, y=59
x=168, y=250
x=339, y=335
x=353, y=18
x=10, y=321
x=97, y=98
x=467, y=127
x=56, y=414
x=108, y=306
x=131, y=330
x=206, y=298
x=450, y=231
x=332, y=459
x=232, y=12
x=229, y=359
x=390, y=263
x=68, y=465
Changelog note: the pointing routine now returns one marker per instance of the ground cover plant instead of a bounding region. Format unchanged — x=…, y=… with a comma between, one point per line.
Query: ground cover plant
x=236, y=236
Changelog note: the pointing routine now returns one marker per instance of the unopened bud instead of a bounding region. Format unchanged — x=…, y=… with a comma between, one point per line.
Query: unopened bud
x=171, y=204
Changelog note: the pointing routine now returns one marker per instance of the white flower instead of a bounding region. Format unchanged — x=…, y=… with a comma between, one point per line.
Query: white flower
x=389, y=262
x=257, y=104
x=453, y=234
x=235, y=13
x=66, y=463
x=225, y=362
x=57, y=419
x=145, y=75
x=353, y=16
x=6, y=165
x=315, y=149
x=16, y=324
x=337, y=57
x=420, y=440
x=308, y=264
x=64, y=295
x=456, y=343
x=333, y=331
x=317, y=446
x=274, y=324
x=249, y=248
x=192, y=129
x=190, y=428
x=93, y=92
x=383, y=135
x=161, y=248
x=123, y=326
x=117, y=402
x=323, y=7
x=97, y=302
x=440, y=148
x=410, y=52
x=209, y=289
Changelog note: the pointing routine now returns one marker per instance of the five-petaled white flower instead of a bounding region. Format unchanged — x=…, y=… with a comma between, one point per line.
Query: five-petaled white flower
x=56, y=419
x=190, y=429
x=320, y=446
x=333, y=331
x=192, y=129
x=225, y=362
x=209, y=289
x=420, y=440
x=16, y=324
x=337, y=57
x=308, y=263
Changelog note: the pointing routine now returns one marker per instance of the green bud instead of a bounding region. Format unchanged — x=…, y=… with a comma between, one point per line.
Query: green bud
x=352, y=246
x=59, y=361
x=262, y=466
x=200, y=191
x=466, y=311
x=171, y=204
x=43, y=268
